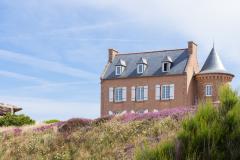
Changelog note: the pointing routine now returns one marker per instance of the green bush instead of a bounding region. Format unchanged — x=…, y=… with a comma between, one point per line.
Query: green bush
x=164, y=151
x=51, y=121
x=15, y=120
x=212, y=133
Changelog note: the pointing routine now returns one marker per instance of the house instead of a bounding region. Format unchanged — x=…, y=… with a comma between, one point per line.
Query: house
x=8, y=108
x=151, y=81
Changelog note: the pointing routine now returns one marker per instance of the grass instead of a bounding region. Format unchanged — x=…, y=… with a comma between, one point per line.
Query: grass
x=105, y=138
x=51, y=121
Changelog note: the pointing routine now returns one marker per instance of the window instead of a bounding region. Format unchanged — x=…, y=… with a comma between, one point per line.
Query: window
x=119, y=70
x=118, y=94
x=208, y=90
x=167, y=92
x=140, y=93
x=165, y=67
x=140, y=68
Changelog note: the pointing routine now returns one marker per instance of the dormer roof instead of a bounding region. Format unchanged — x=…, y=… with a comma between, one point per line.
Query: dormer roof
x=142, y=61
x=167, y=59
x=121, y=63
x=213, y=64
x=154, y=59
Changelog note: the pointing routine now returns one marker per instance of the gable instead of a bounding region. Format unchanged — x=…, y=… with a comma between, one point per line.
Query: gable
x=154, y=64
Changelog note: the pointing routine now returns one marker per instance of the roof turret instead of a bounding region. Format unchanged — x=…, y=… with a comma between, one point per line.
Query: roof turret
x=213, y=64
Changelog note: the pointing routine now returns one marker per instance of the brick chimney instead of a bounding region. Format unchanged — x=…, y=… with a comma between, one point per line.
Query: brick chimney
x=111, y=55
x=192, y=47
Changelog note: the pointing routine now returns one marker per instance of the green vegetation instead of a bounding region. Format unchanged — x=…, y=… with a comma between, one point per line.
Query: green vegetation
x=212, y=133
x=82, y=139
x=15, y=120
x=51, y=121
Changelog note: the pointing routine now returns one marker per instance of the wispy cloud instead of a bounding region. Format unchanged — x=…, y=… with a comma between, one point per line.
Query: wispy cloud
x=46, y=65
x=22, y=77
x=42, y=109
x=56, y=86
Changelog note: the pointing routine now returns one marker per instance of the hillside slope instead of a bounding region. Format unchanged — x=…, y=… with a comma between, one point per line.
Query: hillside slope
x=105, y=138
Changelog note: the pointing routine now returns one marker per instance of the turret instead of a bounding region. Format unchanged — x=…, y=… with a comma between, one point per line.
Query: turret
x=212, y=75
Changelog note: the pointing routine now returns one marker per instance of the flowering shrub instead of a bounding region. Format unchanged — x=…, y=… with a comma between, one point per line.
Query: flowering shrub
x=111, y=137
x=102, y=120
x=48, y=127
x=73, y=124
x=176, y=113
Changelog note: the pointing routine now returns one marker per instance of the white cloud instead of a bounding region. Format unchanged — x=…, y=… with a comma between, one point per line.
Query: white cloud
x=201, y=21
x=46, y=65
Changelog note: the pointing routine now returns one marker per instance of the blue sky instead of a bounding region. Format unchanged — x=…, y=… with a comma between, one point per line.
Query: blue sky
x=53, y=52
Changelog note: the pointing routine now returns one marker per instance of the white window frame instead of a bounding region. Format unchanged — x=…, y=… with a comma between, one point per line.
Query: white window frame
x=208, y=90
x=140, y=68
x=119, y=70
x=165, y=92
x=140, y=93
x=166, y=69
x=118, y=94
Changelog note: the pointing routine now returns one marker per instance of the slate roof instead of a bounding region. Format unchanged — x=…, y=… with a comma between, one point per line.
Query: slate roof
x=154, y=64
x=121, y=63
x=167, y=59
x=142, y=61
x=213, y=64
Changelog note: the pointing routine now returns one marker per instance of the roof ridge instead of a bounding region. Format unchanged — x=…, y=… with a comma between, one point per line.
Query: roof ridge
x=152, y=51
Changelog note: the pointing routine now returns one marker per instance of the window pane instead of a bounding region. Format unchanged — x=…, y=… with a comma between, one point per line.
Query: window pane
x=140, y=68
x=208, y=90
x=118, y=94
x=164, y=92
x=137, y=93
x=165, y=66
x=168, y=92
x=119, y=70
x=140, y=93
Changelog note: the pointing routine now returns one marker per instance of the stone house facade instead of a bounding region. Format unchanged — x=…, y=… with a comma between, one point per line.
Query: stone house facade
x=151, y=81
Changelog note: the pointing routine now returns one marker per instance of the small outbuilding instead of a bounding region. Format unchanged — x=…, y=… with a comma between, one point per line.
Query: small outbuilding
x=8, y=108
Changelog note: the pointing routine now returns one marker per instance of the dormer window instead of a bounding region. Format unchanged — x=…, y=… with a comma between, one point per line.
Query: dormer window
x=166, y=67
x=140, y=68
x=120, y=67
x=141, y=65
x=119, y=70
x=166, y=64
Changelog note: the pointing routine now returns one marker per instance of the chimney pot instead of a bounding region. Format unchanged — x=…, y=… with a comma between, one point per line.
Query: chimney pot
x=111, y=55
x=192, y=47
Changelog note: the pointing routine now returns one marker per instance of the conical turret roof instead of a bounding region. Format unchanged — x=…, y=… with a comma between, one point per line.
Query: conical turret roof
x=213, y=64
